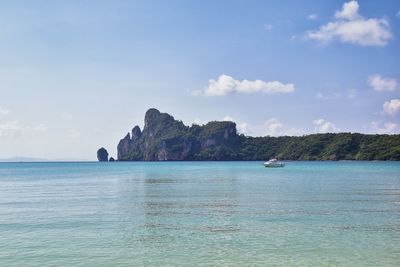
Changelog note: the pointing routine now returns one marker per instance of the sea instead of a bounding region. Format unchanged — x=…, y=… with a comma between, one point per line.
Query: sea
x=343, y=213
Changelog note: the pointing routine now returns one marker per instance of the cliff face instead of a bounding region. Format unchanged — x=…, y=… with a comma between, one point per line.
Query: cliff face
x=164, y=138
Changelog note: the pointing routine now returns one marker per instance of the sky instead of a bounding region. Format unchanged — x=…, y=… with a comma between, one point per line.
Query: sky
x=78, y=75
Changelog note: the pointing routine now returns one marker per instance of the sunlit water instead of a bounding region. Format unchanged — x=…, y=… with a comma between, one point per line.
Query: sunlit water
x=200, y=214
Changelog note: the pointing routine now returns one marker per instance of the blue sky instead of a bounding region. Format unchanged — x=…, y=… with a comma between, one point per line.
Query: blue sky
x=77, y=75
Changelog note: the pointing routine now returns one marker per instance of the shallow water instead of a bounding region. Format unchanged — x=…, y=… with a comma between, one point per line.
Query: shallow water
x=200, y=214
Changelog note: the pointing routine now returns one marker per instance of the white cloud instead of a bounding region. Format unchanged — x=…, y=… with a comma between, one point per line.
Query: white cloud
x=349, y=11
x=226, y=85
x=382, y=84
x=385, y=128
x=268, y=27
x=274, y=127
x=323, y=126
x=227, y=118
x=312, y=17
x=242, y=127
x=391, y=107
x=4, y=111
x=350, y=27
x=197, y=122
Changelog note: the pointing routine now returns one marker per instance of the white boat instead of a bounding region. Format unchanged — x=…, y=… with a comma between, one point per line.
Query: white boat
x=272, y=163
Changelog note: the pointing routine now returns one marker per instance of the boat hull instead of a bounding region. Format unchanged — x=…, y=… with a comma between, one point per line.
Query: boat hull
x=274, y=165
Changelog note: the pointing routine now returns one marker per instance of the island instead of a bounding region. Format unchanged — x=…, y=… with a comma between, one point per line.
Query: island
x=165, y=139
x=102, y=154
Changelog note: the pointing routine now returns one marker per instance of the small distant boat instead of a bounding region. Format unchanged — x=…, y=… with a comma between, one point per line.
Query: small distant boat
x=273, y=163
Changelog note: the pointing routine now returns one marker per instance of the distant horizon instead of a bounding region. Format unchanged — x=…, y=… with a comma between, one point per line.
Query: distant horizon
x=77, y=75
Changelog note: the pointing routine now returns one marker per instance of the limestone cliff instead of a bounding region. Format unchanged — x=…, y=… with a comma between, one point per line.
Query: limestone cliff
x=164, y=138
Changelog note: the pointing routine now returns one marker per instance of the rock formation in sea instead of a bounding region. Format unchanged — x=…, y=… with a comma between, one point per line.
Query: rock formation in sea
x=164, y=138
x=102, y=154
x=111, y=159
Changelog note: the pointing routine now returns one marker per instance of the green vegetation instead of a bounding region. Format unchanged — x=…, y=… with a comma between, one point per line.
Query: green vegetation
x=340, y=146
x=164, y=138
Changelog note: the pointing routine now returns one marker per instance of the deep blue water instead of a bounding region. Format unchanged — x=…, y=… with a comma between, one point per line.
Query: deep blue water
x=200, y=214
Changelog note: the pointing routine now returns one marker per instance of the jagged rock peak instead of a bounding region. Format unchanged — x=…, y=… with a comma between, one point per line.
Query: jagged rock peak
x=154, y=116
x=102, y=154
x=127, y=137
x=136, y=133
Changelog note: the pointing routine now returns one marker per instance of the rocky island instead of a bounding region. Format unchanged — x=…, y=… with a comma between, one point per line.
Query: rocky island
x=102, y=154
x=164, y=138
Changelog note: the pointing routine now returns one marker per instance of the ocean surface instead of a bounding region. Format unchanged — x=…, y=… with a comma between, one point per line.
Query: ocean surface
x=200, y=214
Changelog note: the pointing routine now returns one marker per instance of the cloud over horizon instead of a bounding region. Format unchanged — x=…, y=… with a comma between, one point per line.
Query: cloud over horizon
x=324, y=126
x=391, y=107
x=350, y=27
x=227, y=85
x=385, y=127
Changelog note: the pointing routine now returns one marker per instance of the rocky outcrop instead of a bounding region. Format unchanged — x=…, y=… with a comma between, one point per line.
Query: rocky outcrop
x=102, y=154
x=112, y=159
x=124, y=146
x=164, y=138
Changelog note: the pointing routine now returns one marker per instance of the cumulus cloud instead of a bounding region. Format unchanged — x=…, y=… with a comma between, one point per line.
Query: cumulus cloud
x=197, y=122
x=243, y=127
x=391, y=107
x=349, y=11
x=324, y=126
x=274, y=127
x=312, y=17
x=227, y=118
x=385, y=127
x=226, y=85
x=379, y=83
x=4, y=111
x=350, y=27
x=270, y=127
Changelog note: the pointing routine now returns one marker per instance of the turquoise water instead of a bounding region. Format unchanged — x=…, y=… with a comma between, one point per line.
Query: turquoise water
x=200, y=214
